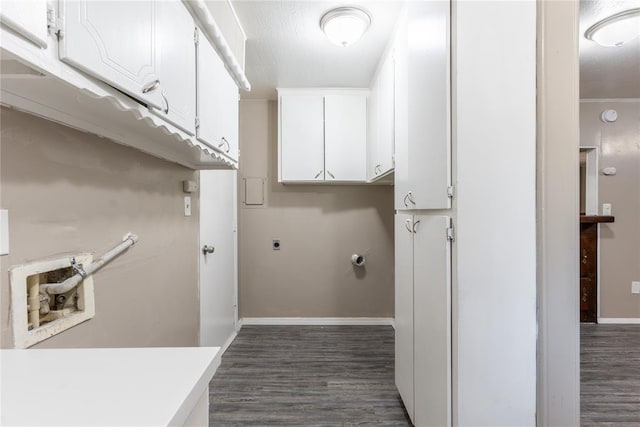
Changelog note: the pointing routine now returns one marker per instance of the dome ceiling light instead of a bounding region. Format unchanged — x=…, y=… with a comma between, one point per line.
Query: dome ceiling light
x=345, y=25
x=616, y=29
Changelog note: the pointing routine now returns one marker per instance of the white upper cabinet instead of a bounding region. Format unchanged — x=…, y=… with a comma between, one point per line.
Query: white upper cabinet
x=176, y=64
x=217, y=102
x=301, y=148
x=115, y=42
x=27, y=18
x=382, y=120
x=423, y=108
x=323, y=135
x=345, y=137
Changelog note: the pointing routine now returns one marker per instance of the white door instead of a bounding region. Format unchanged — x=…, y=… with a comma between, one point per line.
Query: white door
x=216, y=105
x=176, y=66
x=345, y=124
x=301, y=138
x=218, y=269
x=404, y=309
x=114, y=42
x=27, y=18
x=432, y=321
x=423, y=148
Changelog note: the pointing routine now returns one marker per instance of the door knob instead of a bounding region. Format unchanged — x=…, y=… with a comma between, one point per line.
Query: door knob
x=206, y=249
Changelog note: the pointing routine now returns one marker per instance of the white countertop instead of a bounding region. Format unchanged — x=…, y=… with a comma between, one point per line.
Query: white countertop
x=115, y=386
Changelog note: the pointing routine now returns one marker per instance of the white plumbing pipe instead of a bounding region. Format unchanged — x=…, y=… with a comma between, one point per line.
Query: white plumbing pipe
x=73, y=281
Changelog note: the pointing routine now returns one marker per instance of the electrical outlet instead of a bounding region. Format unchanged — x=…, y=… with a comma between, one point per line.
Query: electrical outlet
x=187, y=206
x=606, y=209
x=635, y=287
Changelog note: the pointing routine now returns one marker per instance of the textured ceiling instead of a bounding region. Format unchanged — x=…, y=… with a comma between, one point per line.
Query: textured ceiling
x=286, y=47
x=607, y=72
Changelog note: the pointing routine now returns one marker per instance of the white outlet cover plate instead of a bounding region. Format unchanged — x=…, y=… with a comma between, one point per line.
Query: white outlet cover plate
x=606, y=209
x=635, y=287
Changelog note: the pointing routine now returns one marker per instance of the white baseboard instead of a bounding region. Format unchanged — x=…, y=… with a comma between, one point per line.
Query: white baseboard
x=620, y=320
x=317, y=321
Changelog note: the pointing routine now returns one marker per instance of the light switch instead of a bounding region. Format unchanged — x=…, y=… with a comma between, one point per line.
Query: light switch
x=187, y=206
x=4, y=232
x=606, y=209
x=635, y=287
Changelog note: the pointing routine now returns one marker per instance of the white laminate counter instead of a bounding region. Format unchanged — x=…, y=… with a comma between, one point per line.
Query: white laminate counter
x=114, y=387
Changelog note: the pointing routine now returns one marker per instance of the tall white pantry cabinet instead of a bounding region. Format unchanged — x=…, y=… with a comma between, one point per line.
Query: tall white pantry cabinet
x=423, y=225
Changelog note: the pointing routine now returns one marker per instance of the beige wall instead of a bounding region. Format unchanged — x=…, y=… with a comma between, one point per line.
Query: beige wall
x=68, y=191
x=619, y=144
x=319, y=228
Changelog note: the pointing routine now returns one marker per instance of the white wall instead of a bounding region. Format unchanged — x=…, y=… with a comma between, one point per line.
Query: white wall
x=495, y=126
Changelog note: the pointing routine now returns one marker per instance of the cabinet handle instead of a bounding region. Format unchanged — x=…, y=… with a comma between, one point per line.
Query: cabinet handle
x=405, y=201
x=410, y=197
x=317, y=175
x=331, y=175
x=406, y=224
x=415, y=226
x=378, y=169
x=151, y=86
x=223, y=142
x=166, y=101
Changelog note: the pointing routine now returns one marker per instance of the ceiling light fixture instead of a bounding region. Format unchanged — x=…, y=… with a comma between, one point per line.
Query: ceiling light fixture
x=345, y=25
x=616, y=29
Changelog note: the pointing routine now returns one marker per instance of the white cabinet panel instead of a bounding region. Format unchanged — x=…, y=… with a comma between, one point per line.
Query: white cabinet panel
x=301, y=138
x=423, y=122
x=176, y=65
x=346, y=137
x=115, y=42
x=27, y=18
x=217, y=99
x=404, y=309
x=381, y=114
x=432, y=321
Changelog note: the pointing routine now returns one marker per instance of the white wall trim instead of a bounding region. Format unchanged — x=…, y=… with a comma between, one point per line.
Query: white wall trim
x=317, y=321
x=619, y=320
x=228, y=342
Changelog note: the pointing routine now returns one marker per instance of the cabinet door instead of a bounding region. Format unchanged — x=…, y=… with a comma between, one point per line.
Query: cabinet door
x=423, y=142
x=27, y=18
x=301, y=138
x=230, y=117
x=404, y=309
x=372, y=130
x=345, y=119
x=216, y=105
x=176, y=53
x=386, y=119
x=114, y=42
x=432, y=321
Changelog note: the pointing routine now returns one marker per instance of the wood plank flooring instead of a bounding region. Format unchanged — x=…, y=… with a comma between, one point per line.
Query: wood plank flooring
x=610, y=375
x=308, y=376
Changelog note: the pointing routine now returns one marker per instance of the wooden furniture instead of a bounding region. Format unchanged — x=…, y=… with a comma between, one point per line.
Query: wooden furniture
x=589, y=266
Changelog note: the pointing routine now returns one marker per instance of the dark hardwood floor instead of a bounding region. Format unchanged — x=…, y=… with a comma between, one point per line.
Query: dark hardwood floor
x=610, y=375
x=307, y=376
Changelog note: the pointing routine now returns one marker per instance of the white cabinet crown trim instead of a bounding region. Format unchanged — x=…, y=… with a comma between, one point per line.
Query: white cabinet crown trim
x=211, y=30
